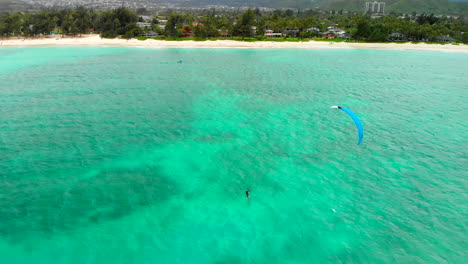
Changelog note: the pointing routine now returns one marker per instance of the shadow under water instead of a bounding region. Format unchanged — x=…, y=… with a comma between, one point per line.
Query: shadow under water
x=32, y=208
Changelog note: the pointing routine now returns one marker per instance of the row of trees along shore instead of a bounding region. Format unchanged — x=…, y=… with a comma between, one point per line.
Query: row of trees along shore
x=210, y=23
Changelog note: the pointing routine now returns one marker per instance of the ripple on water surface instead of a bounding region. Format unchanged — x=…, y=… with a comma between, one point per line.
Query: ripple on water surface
x=118, y=155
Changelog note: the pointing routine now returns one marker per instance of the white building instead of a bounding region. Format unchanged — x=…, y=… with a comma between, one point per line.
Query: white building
x=338, y=32
x=270, y=34
x=143, y=25
x=316, y=29
x=375, y=8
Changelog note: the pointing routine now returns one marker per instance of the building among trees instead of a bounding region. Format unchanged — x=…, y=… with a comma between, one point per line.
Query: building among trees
x=270, y=34
x=127, y=24
x=375, y=8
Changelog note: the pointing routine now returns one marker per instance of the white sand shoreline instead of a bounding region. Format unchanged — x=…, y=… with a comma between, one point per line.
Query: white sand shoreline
x=97, y=41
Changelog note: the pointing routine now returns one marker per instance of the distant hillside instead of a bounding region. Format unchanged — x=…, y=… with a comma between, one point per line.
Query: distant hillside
x=454, y=7
x=14, y=5
x=458, y=7
x=450, y=7
x=405, y=6
x=253, y=3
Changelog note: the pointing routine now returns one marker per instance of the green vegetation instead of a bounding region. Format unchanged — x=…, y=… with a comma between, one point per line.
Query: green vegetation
x=251, y=25
x=400, y=6
x=117, y=22
x=403, y=6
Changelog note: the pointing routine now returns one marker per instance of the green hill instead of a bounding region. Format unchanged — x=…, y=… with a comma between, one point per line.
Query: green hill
x=405, y=6
x=399, y=6
x=430, y=6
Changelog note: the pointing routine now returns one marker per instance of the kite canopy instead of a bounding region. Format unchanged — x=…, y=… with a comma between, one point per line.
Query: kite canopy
x=356, y=121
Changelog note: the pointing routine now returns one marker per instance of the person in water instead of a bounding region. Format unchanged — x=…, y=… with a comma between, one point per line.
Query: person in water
x=247, y=193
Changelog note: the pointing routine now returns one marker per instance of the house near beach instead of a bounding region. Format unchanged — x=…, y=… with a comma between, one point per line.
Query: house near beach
x=224, y=34
x=270, y=34
x=316, y=29
x=294, y=33
x=143, y=25
x=396, y=36
x=444, y=38
x=334, y=32
x=329, y=35
x=150, y=34
x=343, y=35
x=253, y=29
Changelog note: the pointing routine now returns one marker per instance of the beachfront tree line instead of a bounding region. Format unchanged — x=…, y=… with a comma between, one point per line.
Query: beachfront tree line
x=71, y=22
x=249, y=24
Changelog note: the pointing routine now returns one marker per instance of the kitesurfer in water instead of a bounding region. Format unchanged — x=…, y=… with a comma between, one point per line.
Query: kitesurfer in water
x=247, y=193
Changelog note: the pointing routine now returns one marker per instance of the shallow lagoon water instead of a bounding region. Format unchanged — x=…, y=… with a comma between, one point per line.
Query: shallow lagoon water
x=123, y=155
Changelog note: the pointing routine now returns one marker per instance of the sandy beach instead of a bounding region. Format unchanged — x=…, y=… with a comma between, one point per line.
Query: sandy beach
x=96, y=40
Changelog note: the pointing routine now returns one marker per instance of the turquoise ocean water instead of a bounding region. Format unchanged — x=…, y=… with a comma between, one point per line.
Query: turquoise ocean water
x=122, y=155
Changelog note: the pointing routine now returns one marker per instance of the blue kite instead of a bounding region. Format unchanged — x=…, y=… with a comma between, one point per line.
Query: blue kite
x=356, y=121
